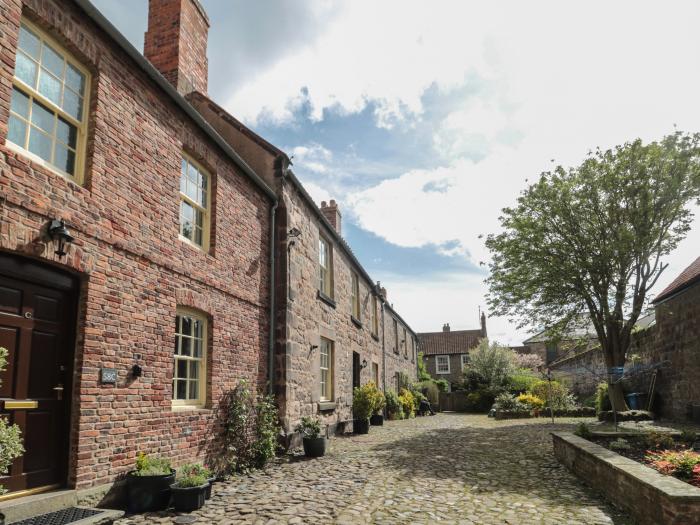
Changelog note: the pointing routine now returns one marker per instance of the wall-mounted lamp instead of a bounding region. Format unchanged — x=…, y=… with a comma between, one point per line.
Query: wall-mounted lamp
x=364, y=364
x=136, y=369
x=314, y=347
x=293, y=234
x=60, y=234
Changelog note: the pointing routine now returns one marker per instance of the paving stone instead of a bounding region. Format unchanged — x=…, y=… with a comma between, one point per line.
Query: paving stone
x=449, y=468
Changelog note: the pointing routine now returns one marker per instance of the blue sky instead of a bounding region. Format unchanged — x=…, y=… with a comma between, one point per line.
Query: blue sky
x=423, y=119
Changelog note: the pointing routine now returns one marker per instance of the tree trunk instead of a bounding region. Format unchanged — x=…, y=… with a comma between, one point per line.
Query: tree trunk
x=617, y=397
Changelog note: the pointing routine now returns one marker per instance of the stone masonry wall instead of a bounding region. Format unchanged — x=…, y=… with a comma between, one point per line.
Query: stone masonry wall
x=454, y=377
x=134, y=269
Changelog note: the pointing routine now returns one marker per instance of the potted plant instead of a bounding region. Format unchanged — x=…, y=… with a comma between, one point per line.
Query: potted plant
x=314, y=443
x=189, y=492
x=10, y=438
x=362, y=407
x=197, y=469
x=148, y=486
x=377, y=418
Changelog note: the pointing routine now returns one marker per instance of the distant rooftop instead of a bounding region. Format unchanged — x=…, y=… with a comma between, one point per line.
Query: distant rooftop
x=687, y=278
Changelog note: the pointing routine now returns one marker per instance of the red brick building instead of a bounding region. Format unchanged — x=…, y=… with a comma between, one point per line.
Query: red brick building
x=162, y=301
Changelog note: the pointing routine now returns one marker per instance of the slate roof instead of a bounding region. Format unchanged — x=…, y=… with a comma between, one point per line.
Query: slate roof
x=453, y=342
x=688, y=277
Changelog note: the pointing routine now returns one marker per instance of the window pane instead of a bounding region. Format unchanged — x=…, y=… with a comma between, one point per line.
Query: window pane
x=52, y=61
x=191, y=191
x=64, y=159
x=197, y=348
x=40, y=144
x=181, y=369
x=42, y=117
x=194, y=369
x=183, y=182
x=181, y=390
x=17, y=132
x=29, y=42
x=75, y=79
x=66, y=132
x=186, y=346
x=73, y=104
x=186, y=211
x=25, y=69
x=20, y=103
x=194, y=385
x=50, y=87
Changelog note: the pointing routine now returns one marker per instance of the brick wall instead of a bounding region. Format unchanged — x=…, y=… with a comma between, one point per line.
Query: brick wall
x=134, y=269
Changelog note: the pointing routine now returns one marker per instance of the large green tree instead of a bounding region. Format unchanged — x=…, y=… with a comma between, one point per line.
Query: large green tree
x=590, y=241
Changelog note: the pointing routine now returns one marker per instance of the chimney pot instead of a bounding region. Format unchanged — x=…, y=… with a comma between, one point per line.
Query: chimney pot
x=446, y=327
x=332, y=213
x=176, y=43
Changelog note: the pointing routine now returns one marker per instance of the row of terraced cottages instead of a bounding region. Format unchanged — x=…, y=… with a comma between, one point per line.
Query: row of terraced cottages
x=154, y=252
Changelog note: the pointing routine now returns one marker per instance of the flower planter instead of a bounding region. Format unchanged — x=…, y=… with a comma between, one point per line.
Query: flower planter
x=377, y=420
x=361, y=426
x=211, y=481
x=148, y=493
x=187, y=499
x=315, y=447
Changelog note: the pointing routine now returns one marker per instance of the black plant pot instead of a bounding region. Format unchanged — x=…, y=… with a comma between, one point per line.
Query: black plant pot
x=207, y=494
x=2, y=519
x=377, y=420
x=361, y=426
x=187, y=499
x=315, y=447
x=148, y=493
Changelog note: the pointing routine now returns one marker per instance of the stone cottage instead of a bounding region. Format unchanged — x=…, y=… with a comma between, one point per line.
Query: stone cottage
x=135, y=255
x=446, y=353
x=335, y=328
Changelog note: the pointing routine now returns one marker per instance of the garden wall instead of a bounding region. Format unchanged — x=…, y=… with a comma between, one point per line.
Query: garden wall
x=650, y=497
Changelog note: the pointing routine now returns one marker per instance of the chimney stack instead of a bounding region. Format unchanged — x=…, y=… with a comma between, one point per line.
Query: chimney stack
x=446, y=327
x=176, y=43
x=483, y=324
x=331, y=212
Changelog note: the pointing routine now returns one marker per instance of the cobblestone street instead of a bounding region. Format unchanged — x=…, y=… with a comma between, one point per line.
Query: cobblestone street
x=450, y=468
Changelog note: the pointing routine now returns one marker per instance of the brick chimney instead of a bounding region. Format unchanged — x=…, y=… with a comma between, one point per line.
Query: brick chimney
x=483, y=324
x=176, y=43
x=331, y=212
x=446, y=327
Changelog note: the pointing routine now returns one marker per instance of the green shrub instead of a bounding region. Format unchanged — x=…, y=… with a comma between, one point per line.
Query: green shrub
x=150, y=466
x=480, y=401
x=190, y=481
x=507, y=401
x=683, y=464
x=423, y=374
x=554, y=394
x=310, y=427
x=689, y=436
x=531, y=401
x=430, y=390
x=521, y=382
x=658, y=440
x=620, y=444
x=408, y=403
x=602, y=401
x=493, y=362
x=363, y=399
x=583, y=431
x=442, y=384
x=393, y=406
x=10, y=435
x=379, y=401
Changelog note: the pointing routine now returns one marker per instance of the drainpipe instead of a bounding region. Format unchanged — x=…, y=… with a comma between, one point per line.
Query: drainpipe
x=271, y=347
x=383, y=350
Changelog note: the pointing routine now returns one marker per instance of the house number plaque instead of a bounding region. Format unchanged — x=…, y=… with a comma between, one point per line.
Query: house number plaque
x=108, y=376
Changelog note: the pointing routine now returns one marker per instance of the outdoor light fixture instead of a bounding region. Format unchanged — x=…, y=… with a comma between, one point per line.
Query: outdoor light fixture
x=294, y=232
x=59, y=233
x=364, y=363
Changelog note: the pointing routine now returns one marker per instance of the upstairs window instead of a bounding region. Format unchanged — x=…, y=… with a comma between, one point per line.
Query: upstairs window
x=405, y=344
x=395, y=326
x=375, y=319
x=325, y=268
x=355, y=296
x=194, y=203
x=49, y=103
x=442, y=364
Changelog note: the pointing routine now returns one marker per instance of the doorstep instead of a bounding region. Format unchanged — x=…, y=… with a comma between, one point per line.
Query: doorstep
x=38, y=505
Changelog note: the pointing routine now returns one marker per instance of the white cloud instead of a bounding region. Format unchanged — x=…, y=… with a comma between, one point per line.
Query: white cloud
x=313, y=157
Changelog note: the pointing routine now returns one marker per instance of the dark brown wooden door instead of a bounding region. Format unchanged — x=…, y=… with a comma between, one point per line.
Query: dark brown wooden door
x=355, y=370
x=37, y=316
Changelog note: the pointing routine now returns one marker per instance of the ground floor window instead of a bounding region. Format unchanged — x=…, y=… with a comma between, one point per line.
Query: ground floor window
x=375, y=373
x=442, y=364
x=189, y=383
x=326, y=367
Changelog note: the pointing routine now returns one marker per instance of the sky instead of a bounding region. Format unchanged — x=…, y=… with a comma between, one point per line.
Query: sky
x=424, y=119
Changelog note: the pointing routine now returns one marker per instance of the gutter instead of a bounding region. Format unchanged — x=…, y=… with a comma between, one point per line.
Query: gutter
x=111, y=31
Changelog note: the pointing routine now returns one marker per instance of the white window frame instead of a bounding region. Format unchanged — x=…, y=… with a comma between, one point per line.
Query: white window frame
x=325, y=266
x=33, y=94
x=464, y=358
x=437, y=364
x=201, y=399
x=326, y=382
x=206, y=211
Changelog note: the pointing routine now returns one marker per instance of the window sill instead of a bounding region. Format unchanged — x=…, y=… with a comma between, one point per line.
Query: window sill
x=190, y=408
x=323, y=297
x=35, y=160
x=326, y=406
x=356, y=321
